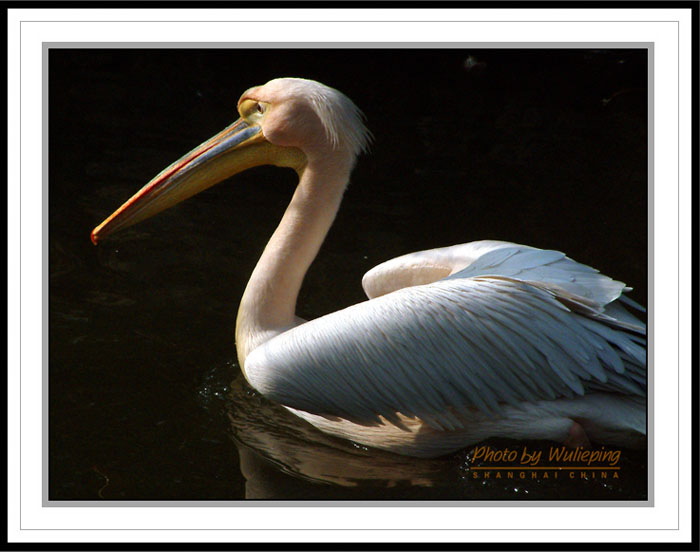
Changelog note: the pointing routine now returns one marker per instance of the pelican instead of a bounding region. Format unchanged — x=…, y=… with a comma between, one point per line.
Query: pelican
x=453, y=346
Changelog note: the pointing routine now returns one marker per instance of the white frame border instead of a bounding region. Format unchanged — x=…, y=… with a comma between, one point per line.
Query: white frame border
x=669, y=518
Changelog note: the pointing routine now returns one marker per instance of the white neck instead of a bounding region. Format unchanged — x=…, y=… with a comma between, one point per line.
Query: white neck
x=269, y=301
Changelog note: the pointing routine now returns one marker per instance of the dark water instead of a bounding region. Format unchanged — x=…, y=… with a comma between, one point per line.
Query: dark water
x=146, y=399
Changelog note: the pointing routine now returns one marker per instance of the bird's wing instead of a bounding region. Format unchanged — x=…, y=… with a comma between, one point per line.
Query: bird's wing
x=546, y=268
x=425, y=267
x=458, y=343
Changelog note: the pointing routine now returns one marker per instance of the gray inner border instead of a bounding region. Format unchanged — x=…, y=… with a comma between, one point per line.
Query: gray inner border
x=46, y=46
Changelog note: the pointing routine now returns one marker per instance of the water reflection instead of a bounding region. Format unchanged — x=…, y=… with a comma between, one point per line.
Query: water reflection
x=283, y=457
x=267, y=431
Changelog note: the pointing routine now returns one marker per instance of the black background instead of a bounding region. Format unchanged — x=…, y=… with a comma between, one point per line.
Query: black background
x=542, y=147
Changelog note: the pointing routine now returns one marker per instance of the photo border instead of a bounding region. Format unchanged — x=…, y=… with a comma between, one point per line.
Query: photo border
x=15, y=253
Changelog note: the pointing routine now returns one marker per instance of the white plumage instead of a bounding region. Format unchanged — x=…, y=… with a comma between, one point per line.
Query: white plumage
x=510, y=326
x=455, y=345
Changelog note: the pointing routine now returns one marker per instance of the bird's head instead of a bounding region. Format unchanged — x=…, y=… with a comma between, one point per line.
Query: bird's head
x=307, y=115
x=287, y=122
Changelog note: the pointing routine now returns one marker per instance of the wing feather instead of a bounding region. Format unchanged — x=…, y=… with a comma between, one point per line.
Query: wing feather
x=432, y=350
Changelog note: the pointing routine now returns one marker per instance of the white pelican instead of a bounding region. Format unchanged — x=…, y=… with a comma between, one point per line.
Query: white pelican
x=455, y=345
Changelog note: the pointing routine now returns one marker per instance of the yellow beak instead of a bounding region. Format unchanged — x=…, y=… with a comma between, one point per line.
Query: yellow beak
x=238, y=147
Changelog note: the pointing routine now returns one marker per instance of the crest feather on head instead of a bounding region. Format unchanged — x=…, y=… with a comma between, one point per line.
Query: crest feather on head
x=341, y=118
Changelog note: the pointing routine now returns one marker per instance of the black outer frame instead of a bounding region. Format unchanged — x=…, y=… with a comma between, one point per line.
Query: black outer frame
x=693, y=6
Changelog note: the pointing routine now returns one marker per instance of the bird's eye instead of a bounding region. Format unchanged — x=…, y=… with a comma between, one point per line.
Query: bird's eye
x=251, y=109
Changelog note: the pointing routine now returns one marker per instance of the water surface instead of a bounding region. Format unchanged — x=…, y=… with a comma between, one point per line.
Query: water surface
x=145, y=398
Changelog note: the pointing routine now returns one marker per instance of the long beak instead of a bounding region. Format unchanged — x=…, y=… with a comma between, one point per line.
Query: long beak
x=238, y=147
